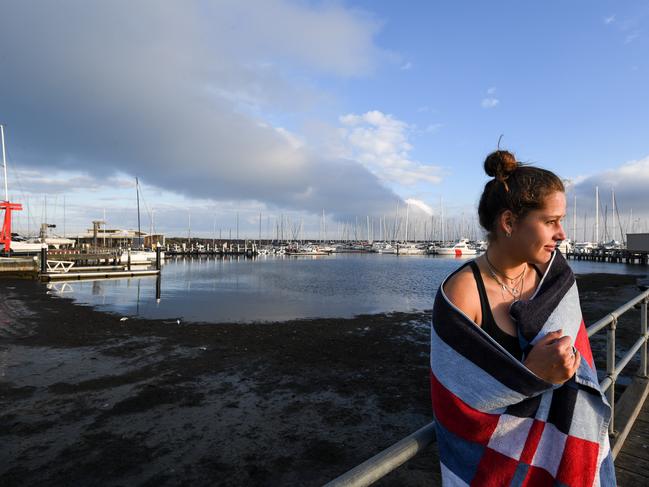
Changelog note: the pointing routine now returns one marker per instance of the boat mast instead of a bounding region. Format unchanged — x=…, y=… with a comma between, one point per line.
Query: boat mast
x=407, y=211
x=613, y=212
x=574, y=220
x=597, y=214
x=139, y=233
x=368, y=228
x=4, y=160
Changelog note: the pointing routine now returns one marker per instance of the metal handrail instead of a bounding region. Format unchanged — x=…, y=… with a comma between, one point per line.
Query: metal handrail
x=609, y=322
x=394, y=456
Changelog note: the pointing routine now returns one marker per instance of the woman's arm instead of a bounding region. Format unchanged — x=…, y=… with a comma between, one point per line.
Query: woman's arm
x=553, y=358
x=462, y=291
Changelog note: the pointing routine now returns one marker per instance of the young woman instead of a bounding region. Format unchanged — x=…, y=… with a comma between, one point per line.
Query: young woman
x=514, y=388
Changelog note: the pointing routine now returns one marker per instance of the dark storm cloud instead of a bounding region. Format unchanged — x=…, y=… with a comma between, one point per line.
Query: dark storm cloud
x=173, y=91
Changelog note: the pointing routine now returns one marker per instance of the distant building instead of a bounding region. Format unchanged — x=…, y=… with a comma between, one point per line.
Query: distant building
x=118, y=238
x=637, y=242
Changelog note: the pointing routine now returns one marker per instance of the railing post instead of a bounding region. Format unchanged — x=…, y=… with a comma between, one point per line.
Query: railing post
x=44, y=259
x=643, y=332
x=157, y=256
x=610, y=370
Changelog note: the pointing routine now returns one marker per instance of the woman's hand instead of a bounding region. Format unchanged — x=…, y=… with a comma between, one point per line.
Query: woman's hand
x=552, y=358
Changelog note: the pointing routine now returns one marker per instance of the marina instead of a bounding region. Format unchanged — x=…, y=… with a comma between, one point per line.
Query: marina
x=324, y=243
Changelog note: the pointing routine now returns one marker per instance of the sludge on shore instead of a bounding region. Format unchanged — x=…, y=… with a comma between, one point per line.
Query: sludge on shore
x=87, y=398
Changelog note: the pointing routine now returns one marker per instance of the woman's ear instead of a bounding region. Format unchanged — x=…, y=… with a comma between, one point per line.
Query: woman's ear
x=506, y=222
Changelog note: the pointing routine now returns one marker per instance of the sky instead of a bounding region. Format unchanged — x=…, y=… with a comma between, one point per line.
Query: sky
x=279, y=110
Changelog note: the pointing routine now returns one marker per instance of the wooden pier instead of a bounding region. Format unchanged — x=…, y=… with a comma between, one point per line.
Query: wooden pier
x=98, y=274
x=621, y=256
x=632, y=462
x=58, y=270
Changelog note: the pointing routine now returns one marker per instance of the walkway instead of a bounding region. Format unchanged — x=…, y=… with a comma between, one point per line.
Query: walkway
x=632, y=463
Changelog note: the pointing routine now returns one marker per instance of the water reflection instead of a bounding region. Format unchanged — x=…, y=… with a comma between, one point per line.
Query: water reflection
x=275, y=288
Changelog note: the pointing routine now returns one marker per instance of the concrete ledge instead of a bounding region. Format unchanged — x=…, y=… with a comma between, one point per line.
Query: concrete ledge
x=18, y=266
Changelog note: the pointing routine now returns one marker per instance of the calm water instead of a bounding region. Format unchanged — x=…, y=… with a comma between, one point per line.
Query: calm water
x=282, y=288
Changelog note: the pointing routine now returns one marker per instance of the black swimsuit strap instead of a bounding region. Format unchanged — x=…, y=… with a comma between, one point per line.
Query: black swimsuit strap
x=488, y=321
x=489, y=325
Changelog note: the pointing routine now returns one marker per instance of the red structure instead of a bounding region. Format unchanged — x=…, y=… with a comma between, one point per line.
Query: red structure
x=5, y=236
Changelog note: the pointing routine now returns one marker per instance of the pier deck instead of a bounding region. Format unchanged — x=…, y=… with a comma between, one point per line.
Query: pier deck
x=98, y=275
x=632, y=463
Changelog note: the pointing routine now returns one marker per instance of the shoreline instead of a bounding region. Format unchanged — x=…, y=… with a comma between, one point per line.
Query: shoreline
x=88, y=398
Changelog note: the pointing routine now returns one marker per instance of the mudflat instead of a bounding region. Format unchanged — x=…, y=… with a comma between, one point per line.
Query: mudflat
x=90, y=398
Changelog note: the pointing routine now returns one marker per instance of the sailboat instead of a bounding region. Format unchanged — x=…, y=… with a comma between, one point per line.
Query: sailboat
x=7, y=244
x=139, y=255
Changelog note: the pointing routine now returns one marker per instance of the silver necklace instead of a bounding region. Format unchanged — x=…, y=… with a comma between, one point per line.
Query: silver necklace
x=516, y=289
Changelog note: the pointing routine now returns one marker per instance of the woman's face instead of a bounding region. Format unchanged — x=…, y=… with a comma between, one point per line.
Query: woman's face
x=537, y=234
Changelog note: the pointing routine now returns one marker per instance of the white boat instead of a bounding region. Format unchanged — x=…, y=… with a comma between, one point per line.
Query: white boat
x=140, y=256
x=564, y=246
x=383, y=248
x=307, y=250
x=22, y=247
x=583, y=247
x=460, y=249
x=410, y=249
x=481, y=245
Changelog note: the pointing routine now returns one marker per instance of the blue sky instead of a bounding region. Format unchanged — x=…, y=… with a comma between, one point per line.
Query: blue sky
x=292, y=107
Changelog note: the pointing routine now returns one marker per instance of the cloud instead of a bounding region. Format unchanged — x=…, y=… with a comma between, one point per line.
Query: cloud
x=631, y=37
x=406, y=66
x=184, y=96
x=629, y=181
x=380, y=142
x=433, y=128
x=420, y=205
x=490, y=101
x=609, y=20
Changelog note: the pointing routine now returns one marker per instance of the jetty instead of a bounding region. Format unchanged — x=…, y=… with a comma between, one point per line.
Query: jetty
x=620, y=256
x=66, y=270
x=628, y=429
x=50, y=266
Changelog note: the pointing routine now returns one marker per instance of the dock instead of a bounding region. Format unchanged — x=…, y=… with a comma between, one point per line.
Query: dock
x=620, y=256
x=98, y=274
x=632, y=462
x=51, y=270
x=18, y=266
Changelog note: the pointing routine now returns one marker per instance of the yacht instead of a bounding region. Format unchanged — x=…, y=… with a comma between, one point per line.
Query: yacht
x=460, y=249
x=584, y=247
x=410, y=249
x=140, y=256
x=383, y=248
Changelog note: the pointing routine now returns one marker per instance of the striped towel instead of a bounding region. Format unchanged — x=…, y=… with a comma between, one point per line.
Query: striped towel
x=500, y=424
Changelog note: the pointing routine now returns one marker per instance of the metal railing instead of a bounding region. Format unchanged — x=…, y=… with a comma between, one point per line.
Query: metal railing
x=389, y=459
x=612, y=368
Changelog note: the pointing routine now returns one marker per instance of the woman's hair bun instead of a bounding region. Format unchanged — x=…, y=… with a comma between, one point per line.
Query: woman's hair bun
x=500, y=164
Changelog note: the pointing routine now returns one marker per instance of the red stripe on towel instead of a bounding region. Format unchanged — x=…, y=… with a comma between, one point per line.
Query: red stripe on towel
x=532, y=442
x=578, y=463
x=494, y=470
x=583, y=345
x=460, y=418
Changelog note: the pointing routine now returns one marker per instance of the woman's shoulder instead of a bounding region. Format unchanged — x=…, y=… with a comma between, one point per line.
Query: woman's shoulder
x=461, y=290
